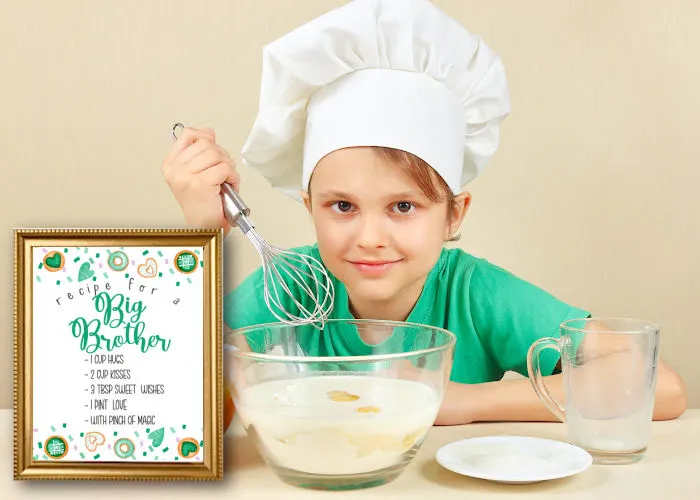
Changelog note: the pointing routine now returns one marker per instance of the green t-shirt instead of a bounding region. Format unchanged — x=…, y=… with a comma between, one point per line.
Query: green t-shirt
x=494, y=315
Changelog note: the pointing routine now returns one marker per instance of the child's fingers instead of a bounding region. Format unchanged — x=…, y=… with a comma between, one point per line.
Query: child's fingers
x=193, y=150
x=220, y=173
x=188, y=136
x=208, y=156
x=204, y=161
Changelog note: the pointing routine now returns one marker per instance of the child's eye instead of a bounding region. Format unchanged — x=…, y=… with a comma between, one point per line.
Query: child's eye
x=342, y=206
x=404, y=207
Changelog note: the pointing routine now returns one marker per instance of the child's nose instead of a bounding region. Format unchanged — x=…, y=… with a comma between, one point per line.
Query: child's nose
x=371, y=232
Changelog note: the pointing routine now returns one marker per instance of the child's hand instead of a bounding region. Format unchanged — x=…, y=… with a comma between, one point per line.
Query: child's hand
x=195, y=169
x=457, y=405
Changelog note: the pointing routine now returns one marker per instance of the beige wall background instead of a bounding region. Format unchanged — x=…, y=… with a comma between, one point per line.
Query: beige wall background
x=593, y=194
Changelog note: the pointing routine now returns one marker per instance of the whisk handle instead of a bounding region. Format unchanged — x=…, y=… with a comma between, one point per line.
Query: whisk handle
x=235, y=209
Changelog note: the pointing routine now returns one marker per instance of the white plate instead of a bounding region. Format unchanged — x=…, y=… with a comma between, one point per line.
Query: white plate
x=513, y=459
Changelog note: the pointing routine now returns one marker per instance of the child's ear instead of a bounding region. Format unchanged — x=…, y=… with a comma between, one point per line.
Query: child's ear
x=458, y=211
x=460, y=208
x=307, y=199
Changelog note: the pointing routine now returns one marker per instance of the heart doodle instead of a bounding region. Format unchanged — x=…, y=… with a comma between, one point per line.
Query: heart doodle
x=85, y=272
x=156, y=437
x=149, y=269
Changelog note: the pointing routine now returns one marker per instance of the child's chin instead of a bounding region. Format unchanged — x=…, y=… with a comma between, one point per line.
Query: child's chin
x=374, y=291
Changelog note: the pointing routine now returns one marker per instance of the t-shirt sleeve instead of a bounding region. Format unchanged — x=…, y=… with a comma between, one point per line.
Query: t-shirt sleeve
x=509, y=314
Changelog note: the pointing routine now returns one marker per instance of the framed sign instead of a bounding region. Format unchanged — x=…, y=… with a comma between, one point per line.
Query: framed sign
x=118, y=338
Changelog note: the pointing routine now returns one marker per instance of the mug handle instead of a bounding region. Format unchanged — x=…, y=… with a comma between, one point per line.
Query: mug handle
x=535, y=375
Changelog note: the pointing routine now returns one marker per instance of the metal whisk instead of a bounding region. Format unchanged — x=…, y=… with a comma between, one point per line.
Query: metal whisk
x=277, y=262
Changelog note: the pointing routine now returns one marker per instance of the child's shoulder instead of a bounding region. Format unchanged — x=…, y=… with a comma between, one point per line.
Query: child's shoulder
x=477, y=273
x=456, y=260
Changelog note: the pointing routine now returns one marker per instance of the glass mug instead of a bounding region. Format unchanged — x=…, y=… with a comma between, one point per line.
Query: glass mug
x=609, y=369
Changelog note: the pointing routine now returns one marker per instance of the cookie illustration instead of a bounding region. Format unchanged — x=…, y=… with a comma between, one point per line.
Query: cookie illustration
x=186, y=262
x=93, y=440
x=124, y=447
x=118, y=261
x=54, y=261
x=56, y=447
x=188, y=448
x=149, y=269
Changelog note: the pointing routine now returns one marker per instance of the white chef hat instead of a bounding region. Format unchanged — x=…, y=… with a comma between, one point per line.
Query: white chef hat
x=392, y=73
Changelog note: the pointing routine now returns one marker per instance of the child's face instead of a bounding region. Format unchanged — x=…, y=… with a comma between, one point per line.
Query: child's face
x=377, y=231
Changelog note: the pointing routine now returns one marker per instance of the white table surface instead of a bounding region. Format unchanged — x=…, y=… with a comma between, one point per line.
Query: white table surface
x=670, y=471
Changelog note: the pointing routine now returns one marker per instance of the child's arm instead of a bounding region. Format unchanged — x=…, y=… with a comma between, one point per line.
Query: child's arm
x=515, y=400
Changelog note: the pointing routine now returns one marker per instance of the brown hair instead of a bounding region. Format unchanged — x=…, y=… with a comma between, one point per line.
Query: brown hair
x=432, y=184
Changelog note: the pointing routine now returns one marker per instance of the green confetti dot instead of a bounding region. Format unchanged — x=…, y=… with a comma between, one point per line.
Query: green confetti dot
x=97, y=456
x=115, y=433
x=165, y=449
x=201, y=263
x=76, y=259
x=109, y=252
x=70, y=437
x=145, y=252
x=201, y=444
x=177, y=283
x=106, y=275
x=144, y=453
x=69, y=279
x=53, y=429
x=160, y=275
x=91, y=261
x=38, y=278
x=58, y=282
x=150, y=448
x=136, y=433
x=36, y=457
x=41, y=264
x=82, y=434
x=94, y=278
x=85, y=249
x=45, y=457
x=148, y=430
x=65, y=250
x=39, y=445
x=177, y=458
x=196, y=251
x=160, y=253
x=189, y=280
x=172, y=272
x=82, y=455
x=172, y=430
x=184, y=426
x=64, y=426
x=126, y=275
x=97, y=255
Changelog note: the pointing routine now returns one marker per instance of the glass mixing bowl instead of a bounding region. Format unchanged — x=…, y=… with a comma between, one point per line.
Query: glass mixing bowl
x=345, y=407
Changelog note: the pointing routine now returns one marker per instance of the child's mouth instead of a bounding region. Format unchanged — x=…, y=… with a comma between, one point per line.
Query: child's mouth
x=374, y=267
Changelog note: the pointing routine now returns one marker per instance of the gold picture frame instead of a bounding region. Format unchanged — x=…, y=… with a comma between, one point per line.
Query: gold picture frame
x=121, y=442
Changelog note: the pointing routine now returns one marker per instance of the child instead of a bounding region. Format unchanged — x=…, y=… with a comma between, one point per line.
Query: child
x=375, y=115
